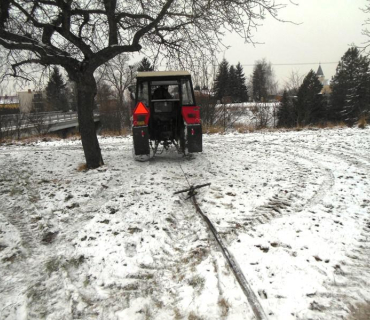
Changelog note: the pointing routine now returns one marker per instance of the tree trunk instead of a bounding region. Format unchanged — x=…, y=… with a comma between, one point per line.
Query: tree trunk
x=86, y=91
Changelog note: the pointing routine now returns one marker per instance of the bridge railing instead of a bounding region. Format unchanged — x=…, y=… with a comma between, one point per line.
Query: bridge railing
x=41, y=121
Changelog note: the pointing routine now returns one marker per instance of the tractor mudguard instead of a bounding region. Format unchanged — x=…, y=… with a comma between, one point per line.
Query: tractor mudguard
x=141, y=140
x=194, y=137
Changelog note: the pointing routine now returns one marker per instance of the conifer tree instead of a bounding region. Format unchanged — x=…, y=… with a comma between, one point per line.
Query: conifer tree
x=242, y=92
x=55, y=91
x=221, y=81
x=310, y=105
x=145, y=65
x=350, y=88
x=286, y=113
x=259, y=82
x=232, y=84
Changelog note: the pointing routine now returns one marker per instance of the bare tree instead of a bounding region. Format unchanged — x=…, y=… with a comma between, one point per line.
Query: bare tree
x=272, y=83
x=3, y=127
x=293, y=83
x=20, y=122
x=40, y=122
x=110, y=115
x=366, y=31
x=82, y=35
x=120, y=75
x=262, y=115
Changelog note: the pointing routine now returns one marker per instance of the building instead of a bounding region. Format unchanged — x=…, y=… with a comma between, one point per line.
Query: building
x=31, y=101
x=326, y=90
x=9, y=104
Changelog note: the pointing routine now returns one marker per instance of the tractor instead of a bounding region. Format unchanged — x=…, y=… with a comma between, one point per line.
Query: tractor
x=165, y=114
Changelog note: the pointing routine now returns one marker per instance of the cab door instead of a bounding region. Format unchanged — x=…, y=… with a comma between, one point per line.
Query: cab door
x=140, y=117
x=191, y=115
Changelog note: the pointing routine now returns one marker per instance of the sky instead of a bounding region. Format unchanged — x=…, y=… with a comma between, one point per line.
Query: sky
x=325, y=31
x=321, y=31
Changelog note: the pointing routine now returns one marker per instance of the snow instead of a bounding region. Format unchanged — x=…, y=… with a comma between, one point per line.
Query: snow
x=115, y=243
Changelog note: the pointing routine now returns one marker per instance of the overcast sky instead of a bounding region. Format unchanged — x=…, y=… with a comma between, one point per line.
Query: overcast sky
x=327, y=29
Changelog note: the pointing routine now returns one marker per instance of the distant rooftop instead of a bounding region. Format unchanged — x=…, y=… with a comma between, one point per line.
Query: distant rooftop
x=163, y=73
x=319, y=71
x=9, y=100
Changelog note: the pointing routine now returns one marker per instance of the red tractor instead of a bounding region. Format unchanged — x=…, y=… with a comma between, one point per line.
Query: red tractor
x=165, y=114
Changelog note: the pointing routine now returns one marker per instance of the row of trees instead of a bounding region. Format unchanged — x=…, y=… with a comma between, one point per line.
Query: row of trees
x=348, y=102
x=230, y=82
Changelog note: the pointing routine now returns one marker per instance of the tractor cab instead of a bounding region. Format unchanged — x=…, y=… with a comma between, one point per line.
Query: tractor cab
x=165, y=113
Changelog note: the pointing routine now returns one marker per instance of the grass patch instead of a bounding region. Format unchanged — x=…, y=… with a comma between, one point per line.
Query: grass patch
x=115, y=133
x=76, y=262
x=194, y=316
x=362, y=122
x=224, y=306
x=360, y=311
x=197, y=282
x=242, y=128
x=82, y=167
x=178, y=314
x=14, y=191
x=213, y=129
x=196, y=256
x=73, y=136
x=34, y=198
x=52, y=265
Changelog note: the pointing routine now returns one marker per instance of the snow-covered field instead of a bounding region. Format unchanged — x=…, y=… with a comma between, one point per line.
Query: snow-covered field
x=115, y=243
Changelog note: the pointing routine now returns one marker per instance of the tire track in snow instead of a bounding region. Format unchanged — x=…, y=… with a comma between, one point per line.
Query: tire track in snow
x=325, y=160
x=359, y=254
x=280, y=205
x=286, y=204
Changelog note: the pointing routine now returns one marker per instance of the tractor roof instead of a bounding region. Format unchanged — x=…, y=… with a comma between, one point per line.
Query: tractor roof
x=152, y=74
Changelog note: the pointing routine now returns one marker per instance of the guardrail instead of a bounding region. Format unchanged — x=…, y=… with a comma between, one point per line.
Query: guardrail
x=41, y=121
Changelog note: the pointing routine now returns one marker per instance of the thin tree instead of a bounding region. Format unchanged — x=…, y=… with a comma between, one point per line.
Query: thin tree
x=259, y=82
x=109, y=112
x=366, y=32
x=293, y=83
x=82, y=35
x=71, y=92
x=120, y=75
x=55, y=91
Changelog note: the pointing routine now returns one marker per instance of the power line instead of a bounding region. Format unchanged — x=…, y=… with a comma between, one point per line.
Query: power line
x=275, y=64
x=293, y=64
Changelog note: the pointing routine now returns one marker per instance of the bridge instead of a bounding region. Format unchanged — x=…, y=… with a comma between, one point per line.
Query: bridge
x=41, y=123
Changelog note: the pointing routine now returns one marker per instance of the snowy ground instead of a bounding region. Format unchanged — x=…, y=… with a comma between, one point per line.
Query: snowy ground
x=114, y=243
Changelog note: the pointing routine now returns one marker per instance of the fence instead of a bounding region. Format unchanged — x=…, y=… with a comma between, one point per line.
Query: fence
x=256, y=115
x=16, y=125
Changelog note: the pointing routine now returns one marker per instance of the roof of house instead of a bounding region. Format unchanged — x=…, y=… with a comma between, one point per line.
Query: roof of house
x=319, y=71
x=9, y=100
x=163, y=73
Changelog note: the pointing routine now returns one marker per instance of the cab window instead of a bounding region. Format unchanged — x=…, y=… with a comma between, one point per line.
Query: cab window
x=187, y=97
x=164, y=90
x=143, y=94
